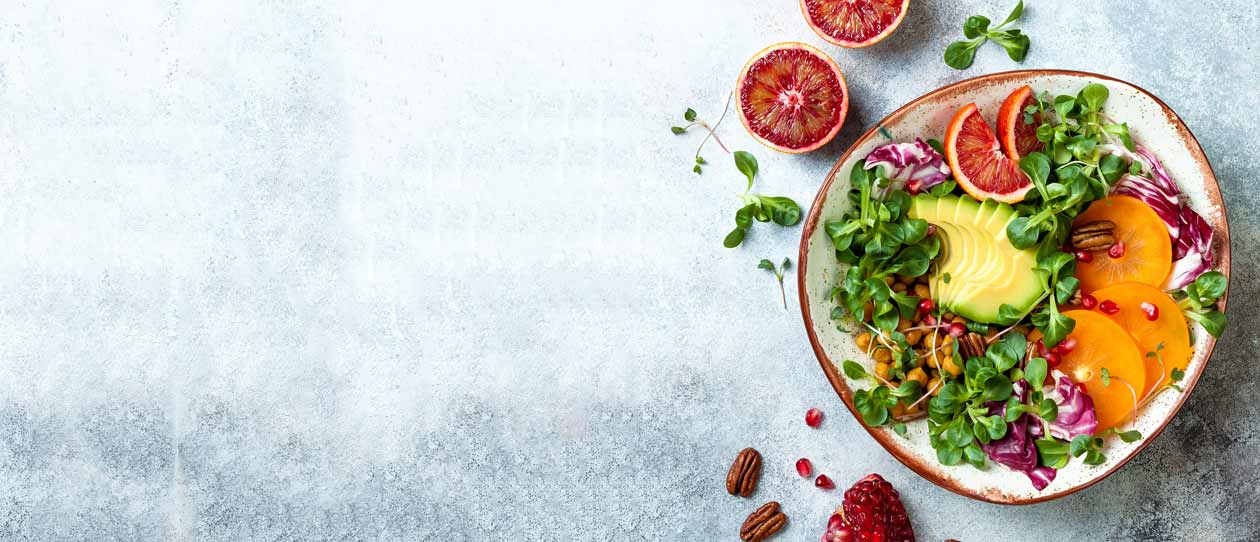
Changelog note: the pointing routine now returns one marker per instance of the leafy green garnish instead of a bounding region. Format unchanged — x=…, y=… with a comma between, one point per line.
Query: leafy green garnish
x=778, y=274
x=693, y=120
x=960, y=54
x=1198, y=301
x=780, y=209
x=1089, y=446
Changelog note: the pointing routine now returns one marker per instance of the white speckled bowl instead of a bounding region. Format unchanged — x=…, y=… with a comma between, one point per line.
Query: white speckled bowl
x=1151, y=123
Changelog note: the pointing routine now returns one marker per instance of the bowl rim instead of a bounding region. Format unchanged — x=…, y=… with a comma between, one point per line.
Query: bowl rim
x=1211, y=188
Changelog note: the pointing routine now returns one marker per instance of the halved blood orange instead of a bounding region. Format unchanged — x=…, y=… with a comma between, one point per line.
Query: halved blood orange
x=792, y=97
x=1142, y=253
x=977, y=160
x=854, y=23
x=1103, y=344
x=1018, y=137
x=1168, y=328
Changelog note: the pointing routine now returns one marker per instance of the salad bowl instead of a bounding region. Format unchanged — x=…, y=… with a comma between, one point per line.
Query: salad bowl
x=1151, y=123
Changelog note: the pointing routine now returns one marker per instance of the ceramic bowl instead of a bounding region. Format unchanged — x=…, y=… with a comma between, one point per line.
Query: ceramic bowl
x=1151, y=122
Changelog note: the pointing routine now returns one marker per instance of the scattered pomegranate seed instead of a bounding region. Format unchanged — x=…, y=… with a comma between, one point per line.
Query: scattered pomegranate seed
x=824, y=482
x=1084, y=256
x=1089, y=301
x=813, y=417
x=1116, y=250
x=931, y=229
x=930, y=319
x=1052, y=359
x=1150, y=310
x=957, y=329
x=1066, y=347
x=804, y=467
x=1109, y=307
x=874, y=510
x=926, y=306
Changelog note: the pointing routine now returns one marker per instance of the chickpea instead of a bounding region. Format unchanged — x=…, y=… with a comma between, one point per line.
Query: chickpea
x=950, y=367
x=947, y=351
x=888, y=280
x=922, y=291
x=919, y=375
x=899, y=287
x=918, y=317
x=882, y=355
x=867, y=311
x=934, y=385
x=947, y=317
x=881, y=369
x=898, y=410
x=864, y=341
x=914, y=409
x=914, y=336
x=931, y=359
x=904, y=324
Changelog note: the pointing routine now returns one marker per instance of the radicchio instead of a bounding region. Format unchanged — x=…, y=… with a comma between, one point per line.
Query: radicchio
x=1076, y=409
x=1190, y=233
x=1016, y=449
x=916, y=166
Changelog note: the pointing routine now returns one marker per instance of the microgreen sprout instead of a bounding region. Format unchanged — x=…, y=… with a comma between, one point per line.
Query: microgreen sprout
x=780, y=209
x=778, y=274
x=960, y=54
x=692, y=121
x=1198, y=301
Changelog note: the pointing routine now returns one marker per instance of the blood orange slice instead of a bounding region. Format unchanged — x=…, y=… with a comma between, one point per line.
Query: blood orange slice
x=977, y=160
x=854, y=23
x=792, y=97
x=1018, y=137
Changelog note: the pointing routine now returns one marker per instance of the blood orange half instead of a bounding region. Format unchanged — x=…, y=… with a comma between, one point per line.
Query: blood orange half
x=792, y=97
x=977, y=160
x=1018, y=137
x=854, y=23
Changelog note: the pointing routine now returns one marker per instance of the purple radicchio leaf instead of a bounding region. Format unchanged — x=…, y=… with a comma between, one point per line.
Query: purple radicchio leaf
x=1016, y=449
x=916, y=166
x=1076, y=409
x=1192, y=250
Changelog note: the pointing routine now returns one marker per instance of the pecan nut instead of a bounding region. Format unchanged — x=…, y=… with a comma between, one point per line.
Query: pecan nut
x=762, y=523
x=1096, y=235
x=745, y=471
x=973, y=345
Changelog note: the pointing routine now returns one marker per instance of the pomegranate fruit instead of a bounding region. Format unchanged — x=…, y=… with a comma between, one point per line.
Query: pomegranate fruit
x=874, y=511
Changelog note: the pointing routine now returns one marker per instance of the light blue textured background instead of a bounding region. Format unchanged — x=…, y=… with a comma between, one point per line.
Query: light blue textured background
x=438, y=271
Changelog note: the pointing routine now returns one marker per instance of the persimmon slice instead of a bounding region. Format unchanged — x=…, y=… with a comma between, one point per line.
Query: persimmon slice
x=1102, y=343
x=1145, y=253
x=1168, y=328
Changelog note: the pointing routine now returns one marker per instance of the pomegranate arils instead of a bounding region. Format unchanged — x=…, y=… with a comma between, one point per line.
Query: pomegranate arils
x=813, y=417
x=931, y=229
x=873, y=508
x=804, y=467
x=1084, y=256
x=1109, y=307
x=1066, y=346
x=926, y=306
x=930, y=319
x=1150, y=310
x=824, y=482
x=1052, y=359
x=957, y=329
x=1116, y=250
x=913, y=187
x=838, y=531
x=1089, y=301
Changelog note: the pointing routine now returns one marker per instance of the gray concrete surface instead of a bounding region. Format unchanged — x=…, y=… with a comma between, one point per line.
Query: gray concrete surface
x=438, y=271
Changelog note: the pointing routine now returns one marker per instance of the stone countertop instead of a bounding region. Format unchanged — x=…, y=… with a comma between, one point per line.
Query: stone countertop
x=337, y=271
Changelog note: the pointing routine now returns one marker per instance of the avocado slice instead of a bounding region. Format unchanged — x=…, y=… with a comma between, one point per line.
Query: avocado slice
x=985, y=270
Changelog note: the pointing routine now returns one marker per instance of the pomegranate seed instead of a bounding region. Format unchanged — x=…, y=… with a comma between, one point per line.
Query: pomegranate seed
x=1150, y=310
x=1041, y=348
x=839, y=531
x=926, y=306
x=1109, y=307
x=873, y=510
x=813, y=417
x=1089, y=301
x=804, y=467
x=957, y=329
x=1084, y=256
x=824, y=482
x=931, y=229
x=1052, y=359
x=1116, y=250
x=930, y=319
x=913, y=187
x=1065, y=347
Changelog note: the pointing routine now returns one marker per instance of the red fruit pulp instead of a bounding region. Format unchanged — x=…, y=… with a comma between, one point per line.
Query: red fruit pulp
x=813, y=417
x=875, y=511
x=838, y=530
x=804, y=467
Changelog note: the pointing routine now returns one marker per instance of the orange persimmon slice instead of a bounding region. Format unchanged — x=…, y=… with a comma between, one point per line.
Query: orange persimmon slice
x=1145, y=253
x=1168, y=328
x=1103, y=344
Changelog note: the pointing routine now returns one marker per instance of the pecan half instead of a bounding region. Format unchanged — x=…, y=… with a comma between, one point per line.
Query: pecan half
x=1096, y=235
x=745, y=471
x=762, y=523
x=973, y=345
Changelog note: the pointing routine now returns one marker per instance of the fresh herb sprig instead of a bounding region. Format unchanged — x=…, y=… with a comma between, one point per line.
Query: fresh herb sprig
x=877, y=238
x=960, y=54
x=692, y=121
x=1198, y=301
x=778, y=274
x=781, y=209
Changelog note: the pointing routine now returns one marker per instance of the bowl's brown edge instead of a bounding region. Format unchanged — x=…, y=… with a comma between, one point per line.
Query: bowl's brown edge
x=1212, y=188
